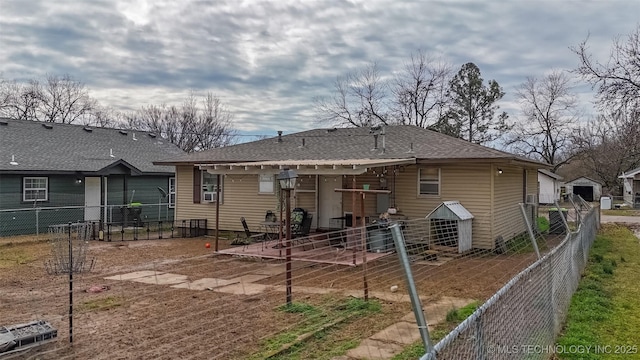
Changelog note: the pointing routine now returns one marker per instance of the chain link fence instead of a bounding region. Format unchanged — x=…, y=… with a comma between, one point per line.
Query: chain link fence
x=522, y=319
x=121, y=222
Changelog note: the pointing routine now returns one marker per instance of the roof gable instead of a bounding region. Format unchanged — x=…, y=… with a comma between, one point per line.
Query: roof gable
x=550, y=174
x=582, y=177
x=629, y=174
x=38, y=146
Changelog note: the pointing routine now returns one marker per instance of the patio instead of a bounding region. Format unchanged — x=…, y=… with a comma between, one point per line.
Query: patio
x=337, y=248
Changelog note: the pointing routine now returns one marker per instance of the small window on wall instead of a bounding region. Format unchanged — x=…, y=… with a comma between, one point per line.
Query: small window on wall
x=35, y=189
x=429, y=181
x=266, y=183
x=172, y=192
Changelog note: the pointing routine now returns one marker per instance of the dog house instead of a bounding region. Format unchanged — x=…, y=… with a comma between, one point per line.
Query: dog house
x=450, y=224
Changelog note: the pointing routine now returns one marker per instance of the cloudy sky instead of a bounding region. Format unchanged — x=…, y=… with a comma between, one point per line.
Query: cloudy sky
x=268, y=60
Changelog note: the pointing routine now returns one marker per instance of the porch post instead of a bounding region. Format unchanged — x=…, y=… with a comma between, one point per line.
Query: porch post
x=363, y=239
x=353, y=217
x=217, y=210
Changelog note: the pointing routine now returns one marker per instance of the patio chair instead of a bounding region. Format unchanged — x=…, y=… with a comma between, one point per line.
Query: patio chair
x=248, y=237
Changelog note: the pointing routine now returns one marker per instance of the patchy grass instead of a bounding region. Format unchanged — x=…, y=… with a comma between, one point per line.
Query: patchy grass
x=317, y=324
x=605, y=310
x=543, y=224
x=14, y=255
x=453, y=318
x=621, y=212
x=100, y=304
x=521, y=244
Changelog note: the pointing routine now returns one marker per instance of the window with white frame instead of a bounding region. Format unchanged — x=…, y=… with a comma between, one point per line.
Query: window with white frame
x=266, y=183
x=35, y=189
x=429, y=181
x=172, y=192
x=210, y=185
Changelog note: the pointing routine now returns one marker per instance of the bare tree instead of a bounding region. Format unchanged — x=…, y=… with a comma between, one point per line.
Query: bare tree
x=609, y=145
x=102, y=116
x=189, y=126
x=550, y=111
x=360, y=99
x=420, y=91
x=23, y=100
x=64, y=100
x=5, y=96
x=214, y=124
x=618, y=79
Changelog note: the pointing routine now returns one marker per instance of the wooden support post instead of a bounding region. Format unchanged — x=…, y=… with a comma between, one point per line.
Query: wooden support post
x=363, y=239
x=353, y=218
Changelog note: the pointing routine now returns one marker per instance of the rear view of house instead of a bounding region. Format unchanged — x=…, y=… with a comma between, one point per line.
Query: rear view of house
x=95, y=174
x=419, y=169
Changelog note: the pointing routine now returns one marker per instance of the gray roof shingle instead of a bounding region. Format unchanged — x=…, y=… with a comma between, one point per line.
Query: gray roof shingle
x=64, y=147
x=400, y=141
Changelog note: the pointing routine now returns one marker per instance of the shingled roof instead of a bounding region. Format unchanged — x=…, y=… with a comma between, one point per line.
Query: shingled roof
x=399, y=141
x=52, y=147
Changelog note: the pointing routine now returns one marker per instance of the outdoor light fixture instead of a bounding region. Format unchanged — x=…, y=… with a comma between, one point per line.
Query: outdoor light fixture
x=499, y=171
x=287, y=179
x=78, y=181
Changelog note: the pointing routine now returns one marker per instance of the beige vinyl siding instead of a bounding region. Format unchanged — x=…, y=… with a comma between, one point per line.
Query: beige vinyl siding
x=240, y=199
x=508, y=195
x=468, y=183
x=370, y=205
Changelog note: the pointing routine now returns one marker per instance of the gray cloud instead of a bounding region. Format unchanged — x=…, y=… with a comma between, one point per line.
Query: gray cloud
x=269, y=60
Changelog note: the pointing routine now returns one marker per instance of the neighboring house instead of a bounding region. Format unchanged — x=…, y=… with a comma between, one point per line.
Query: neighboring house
x=550, y=184
x=631, y=187
x=44, y=165
x=421, y=168
x=588, y=189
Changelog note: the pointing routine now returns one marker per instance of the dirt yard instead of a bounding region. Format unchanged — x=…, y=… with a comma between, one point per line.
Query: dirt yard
x=182, y=301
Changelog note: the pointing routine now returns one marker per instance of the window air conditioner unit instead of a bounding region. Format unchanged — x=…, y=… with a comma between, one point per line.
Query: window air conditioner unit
x=209, y=196
x=532, y=199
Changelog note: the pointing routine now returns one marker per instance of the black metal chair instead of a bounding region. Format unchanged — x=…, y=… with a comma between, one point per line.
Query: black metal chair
x=248, y=237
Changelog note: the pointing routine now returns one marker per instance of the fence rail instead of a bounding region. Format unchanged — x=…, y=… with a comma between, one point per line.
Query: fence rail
x=36, y=220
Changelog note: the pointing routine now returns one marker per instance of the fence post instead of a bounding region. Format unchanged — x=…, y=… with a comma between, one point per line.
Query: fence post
x=37, y=221
x=530, y=230
x=564, y=220
x=416, y=304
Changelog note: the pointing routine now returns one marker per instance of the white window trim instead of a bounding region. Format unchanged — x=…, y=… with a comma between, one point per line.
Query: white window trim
x=273, y=184
x=202, y=184
x=24, y=188
x=172, y=205
x=439, y=184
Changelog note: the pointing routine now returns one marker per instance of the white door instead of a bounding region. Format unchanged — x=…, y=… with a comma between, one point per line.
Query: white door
x=91, y=199
x=329, y=201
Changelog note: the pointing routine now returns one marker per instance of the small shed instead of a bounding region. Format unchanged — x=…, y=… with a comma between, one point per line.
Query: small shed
x=588, y=189
x=450, y=224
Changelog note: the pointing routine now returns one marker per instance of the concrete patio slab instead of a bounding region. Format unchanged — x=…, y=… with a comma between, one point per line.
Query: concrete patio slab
x=162, y=279
x=402, y=333
x=437, y=312
x=242, y=289
x=204, y=284
x=249, y=278
x=133, y=275
x=374, y=349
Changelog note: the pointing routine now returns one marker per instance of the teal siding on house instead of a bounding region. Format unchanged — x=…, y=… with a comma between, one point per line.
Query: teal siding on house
x=18, y=217
x=140, y=189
